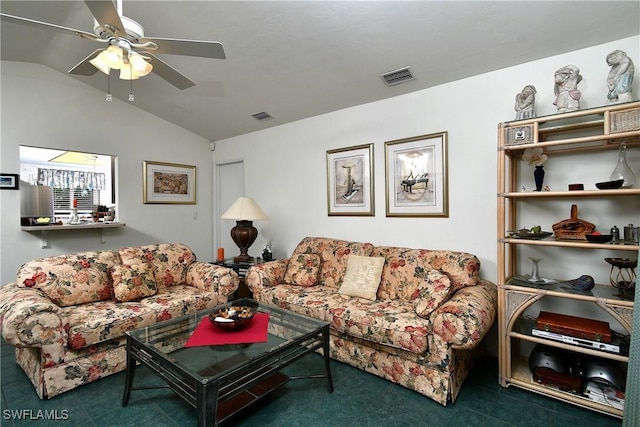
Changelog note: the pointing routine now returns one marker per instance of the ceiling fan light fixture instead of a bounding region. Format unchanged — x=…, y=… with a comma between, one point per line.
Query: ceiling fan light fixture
x=109, y=58
x=140, y=66
x=100, y=64
x=128, y=73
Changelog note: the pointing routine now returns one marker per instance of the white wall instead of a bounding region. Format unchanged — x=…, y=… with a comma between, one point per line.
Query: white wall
x=286, y=165
x=44, y=108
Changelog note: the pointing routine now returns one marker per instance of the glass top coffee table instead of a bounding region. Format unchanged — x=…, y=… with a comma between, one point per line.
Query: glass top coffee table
x=221, y=380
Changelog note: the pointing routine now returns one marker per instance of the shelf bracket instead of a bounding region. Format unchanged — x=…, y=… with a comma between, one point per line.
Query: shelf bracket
x=44, y=243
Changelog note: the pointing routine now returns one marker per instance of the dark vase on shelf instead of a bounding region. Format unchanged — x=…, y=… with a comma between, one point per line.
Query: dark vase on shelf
x=538, y=175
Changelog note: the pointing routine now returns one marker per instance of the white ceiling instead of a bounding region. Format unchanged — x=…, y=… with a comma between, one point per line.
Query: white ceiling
x=297, y=59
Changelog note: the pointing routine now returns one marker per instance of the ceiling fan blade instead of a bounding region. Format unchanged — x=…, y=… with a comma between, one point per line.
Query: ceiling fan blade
x=85, y=68
x=204, y=49
x=170, y=74
x=107, y=15
x=47, y=25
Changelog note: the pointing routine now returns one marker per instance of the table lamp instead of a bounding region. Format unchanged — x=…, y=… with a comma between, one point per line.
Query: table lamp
x=244, y=211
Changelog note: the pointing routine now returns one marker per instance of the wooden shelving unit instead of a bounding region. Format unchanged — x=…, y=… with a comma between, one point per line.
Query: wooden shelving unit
x=571, y=134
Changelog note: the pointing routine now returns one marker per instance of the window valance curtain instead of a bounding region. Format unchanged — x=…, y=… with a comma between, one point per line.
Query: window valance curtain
x=58, y=178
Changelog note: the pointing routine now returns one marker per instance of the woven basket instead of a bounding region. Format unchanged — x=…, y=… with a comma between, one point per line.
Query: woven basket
x=573, y=228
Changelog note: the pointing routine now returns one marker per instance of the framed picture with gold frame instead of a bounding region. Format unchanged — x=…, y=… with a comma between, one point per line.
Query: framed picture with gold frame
x=416, y=176
x=350, y=181
x=169, y=183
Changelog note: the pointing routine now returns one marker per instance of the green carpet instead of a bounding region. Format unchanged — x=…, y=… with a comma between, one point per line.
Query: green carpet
x=359, y=399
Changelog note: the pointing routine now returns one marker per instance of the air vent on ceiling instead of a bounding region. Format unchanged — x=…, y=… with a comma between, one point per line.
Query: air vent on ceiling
x=262, y=116
x=396, y=77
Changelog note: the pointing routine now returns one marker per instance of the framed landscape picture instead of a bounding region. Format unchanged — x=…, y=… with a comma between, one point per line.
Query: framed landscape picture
x=350, y=181
x=9, y=181
x=169, y=183
x=416, y=176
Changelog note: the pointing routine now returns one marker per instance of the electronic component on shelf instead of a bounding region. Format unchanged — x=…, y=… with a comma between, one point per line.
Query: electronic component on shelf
x=596, y=345
x=578, y=327
x=565, y=382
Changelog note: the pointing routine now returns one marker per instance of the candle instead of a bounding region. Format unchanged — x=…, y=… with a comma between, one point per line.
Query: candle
x=75, y=203
x=220, y=254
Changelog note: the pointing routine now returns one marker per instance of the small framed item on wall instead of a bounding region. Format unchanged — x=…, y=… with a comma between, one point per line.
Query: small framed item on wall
x=350, y=181
x=9, y=181
x=416, y=176
x=169, y=183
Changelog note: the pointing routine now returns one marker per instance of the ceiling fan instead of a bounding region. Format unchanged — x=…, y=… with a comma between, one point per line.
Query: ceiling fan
x=127, y=48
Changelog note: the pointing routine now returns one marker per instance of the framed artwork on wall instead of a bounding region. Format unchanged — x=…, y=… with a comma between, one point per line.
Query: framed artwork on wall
x=416, y=176
x=9, y=181
x=169, y=183
x=350, y=181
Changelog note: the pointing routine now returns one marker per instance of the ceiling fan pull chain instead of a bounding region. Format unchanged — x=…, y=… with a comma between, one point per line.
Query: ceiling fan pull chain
x=109, y=97
x=131, y=98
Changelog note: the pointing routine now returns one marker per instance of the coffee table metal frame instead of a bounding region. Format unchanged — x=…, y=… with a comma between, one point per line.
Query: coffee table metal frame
x=219, y=395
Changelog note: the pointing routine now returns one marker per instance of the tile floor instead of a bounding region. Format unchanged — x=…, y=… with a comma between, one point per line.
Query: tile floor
x=359, y=400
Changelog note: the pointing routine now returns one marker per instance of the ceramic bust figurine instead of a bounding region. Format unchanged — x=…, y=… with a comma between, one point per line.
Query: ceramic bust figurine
x=526, y=103
x=566, y=88
x=620, y=77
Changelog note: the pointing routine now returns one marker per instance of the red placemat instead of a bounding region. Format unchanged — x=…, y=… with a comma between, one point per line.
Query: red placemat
x=206, y=333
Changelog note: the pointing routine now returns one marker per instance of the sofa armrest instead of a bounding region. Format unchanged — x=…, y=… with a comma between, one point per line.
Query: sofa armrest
x=220, y=280
x=28, y=318
x=465, y=319
x=266, y=274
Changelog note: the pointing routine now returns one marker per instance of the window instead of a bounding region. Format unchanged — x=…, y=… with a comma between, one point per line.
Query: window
x=86, y=177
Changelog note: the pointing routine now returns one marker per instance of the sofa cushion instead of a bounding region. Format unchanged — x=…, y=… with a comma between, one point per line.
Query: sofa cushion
x=431, y=292
x=303, y=270
x=387, y=322
x=176, y=301
x=96, y=322
x=132, y=282
x=71, y=279
x=403, y=263
x=333, y=256
x=362, y=277
x=170, y=261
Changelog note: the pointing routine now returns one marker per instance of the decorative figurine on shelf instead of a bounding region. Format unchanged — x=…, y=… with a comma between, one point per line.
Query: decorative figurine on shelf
x=526, y=103
x=536, y=157
x=620, y=77
x=566, y=88
x=582, y=283
x=535, y=273
x=267, y=255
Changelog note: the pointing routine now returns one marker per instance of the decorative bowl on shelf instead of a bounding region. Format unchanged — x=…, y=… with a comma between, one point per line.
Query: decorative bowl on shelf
x=233, y=317
x=528, y=234
x=599, y=238
x=610, y=185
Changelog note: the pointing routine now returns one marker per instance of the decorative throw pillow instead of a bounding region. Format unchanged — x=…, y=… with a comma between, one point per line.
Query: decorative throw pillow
x=431, y=293
x=132, y=282
x=70, y=279
x=303, y=270
x=362, y=277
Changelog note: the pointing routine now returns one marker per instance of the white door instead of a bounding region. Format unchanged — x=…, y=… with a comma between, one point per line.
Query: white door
x=230, y=186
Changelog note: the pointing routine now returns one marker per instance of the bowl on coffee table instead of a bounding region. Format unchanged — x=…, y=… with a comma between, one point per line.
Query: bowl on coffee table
x=233, y=317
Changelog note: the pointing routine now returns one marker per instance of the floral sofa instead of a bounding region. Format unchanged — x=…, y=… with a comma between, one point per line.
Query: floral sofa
x=67, y=315
x=419, y=323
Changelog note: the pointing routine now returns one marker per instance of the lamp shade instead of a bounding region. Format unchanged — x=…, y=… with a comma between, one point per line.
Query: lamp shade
x=245, y=208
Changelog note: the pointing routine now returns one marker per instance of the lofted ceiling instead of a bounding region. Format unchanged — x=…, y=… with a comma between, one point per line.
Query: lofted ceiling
x=297, y=59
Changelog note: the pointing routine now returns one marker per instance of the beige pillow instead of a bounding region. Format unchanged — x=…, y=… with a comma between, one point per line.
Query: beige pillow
x=431, y=293
x=362, y=277
x=132, y=282
x=303, y=270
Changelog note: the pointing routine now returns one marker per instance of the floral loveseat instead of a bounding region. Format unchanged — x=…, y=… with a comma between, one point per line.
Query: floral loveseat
x=419, y=322
x=67, y=315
